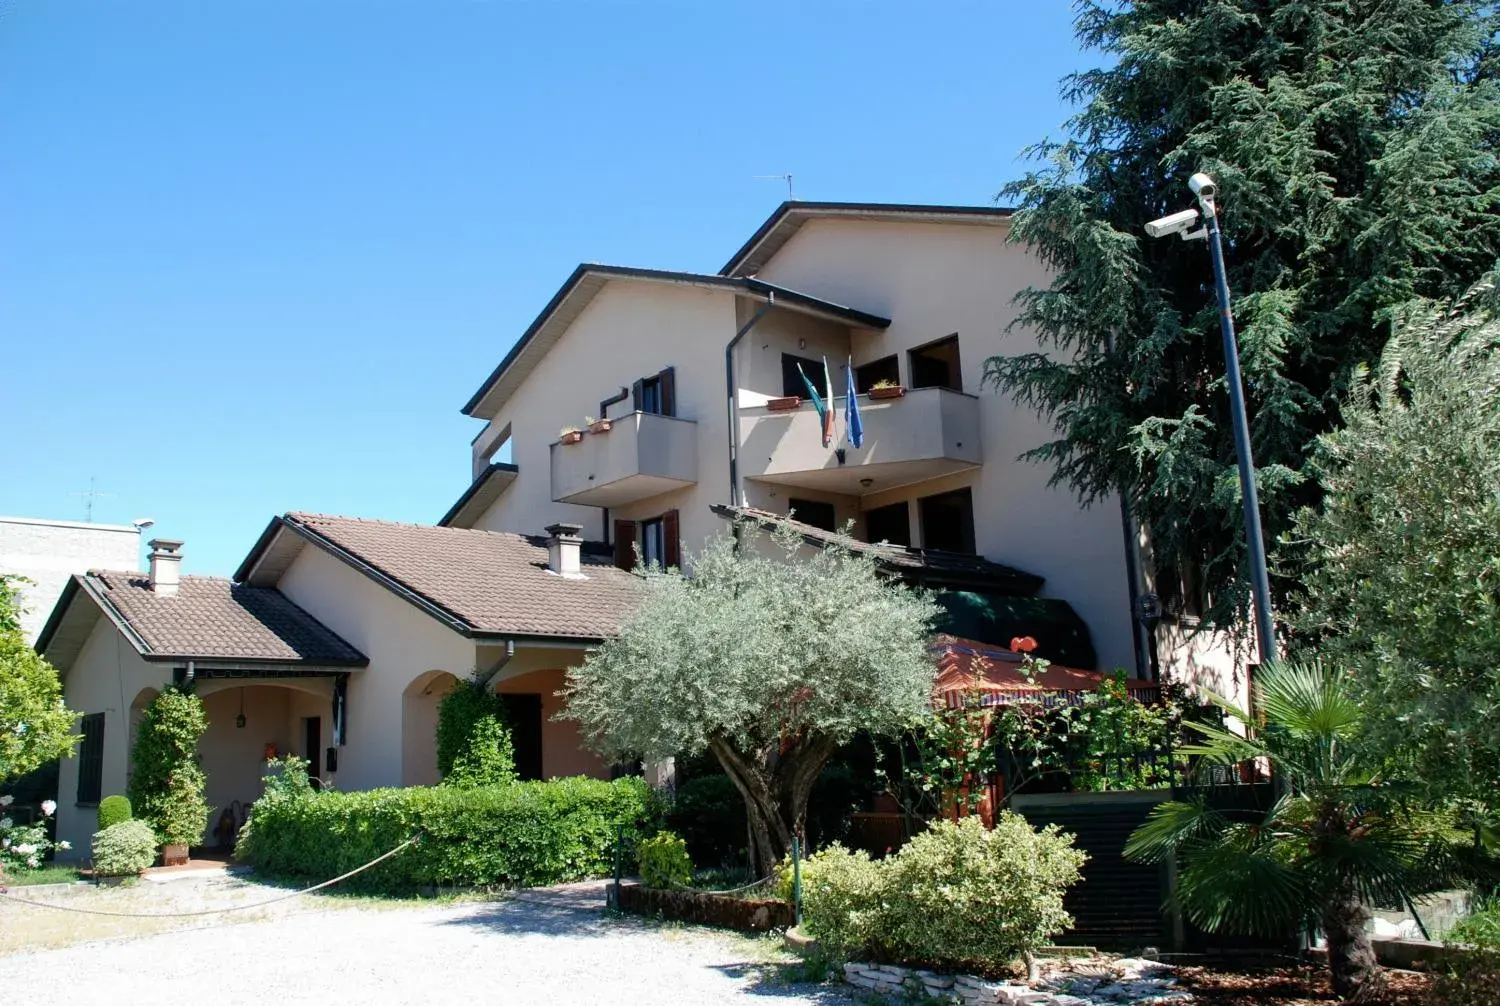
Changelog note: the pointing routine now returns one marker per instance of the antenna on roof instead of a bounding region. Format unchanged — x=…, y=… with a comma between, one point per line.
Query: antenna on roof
x=89, y=495
x=784, y=178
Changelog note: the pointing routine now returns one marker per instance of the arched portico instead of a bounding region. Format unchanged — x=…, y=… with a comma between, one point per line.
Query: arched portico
x=419, y=714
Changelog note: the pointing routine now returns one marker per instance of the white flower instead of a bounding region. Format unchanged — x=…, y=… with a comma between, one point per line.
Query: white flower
x=48, y=806
x=25, y=849
x=5, y=823
x=32, y=862
x=7, y=800
x=64, y=845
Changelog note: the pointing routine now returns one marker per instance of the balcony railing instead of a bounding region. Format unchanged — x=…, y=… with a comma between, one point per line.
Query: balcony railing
x=641, y=455
x=926, y=434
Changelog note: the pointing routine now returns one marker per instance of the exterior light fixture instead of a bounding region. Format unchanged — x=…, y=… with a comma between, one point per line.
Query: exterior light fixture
x=239, y=721
x=866, y=483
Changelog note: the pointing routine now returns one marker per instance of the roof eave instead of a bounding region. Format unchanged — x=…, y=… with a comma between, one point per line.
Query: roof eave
x=490, y=471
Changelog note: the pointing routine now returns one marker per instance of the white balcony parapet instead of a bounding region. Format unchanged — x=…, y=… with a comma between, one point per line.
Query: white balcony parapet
x=641, y=455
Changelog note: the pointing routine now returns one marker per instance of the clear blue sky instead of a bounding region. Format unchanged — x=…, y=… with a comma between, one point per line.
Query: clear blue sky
x=254, y=257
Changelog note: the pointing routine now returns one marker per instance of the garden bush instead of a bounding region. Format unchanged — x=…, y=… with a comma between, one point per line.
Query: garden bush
x=527, y=833
x=124, y=849
x=1469, y=981
x=473, y=743
x=664, y=861
x=113, y=810
x=709, y=814
x=166, y=787
x=957, y=896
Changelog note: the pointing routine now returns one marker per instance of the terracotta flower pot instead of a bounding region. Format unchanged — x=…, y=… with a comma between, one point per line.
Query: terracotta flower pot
x=601, y=426
x=571, y=438
x=174, y=855
x=788, y=404
x=878, y=393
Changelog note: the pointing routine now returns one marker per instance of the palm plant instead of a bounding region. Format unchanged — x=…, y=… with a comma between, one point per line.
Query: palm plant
x=1338, y=838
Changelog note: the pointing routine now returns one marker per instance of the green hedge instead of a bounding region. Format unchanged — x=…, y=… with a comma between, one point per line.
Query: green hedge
x=526, y=834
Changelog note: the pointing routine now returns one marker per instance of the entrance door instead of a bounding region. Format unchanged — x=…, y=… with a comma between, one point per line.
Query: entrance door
x=312, y=745
x=524, y=715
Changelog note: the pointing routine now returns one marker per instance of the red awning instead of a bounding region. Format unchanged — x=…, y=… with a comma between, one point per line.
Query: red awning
x=966, y=666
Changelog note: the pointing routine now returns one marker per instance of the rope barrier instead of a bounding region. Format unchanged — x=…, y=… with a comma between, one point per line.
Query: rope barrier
x=6, y=896
x=733, y=890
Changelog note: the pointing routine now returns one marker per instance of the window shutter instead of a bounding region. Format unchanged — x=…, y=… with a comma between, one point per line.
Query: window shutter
x=672, y=533
x=625, y=544
x=635, y=396
x=668, y=379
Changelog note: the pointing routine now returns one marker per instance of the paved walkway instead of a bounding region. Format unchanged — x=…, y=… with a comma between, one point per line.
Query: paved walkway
x=552, y=945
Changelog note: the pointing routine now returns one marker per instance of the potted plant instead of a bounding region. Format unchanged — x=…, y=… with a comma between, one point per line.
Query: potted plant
x=602, y=425
x=787, y=404
x=885, y=389
x=182, y=818
x=569, y=435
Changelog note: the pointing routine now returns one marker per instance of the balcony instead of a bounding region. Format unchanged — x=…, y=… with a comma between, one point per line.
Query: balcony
x=642, y=455
x=928, y=433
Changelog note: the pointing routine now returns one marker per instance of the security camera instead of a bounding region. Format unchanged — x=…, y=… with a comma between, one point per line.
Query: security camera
x=1176, y=223
x=141, y=523
x=1203, y=186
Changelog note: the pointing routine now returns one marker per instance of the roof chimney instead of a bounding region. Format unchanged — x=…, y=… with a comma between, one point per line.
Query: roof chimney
x=562, y=549
x=166, y=565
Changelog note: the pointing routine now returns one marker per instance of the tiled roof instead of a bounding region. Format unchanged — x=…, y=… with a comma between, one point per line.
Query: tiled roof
x=927, y=566
x=491, y=581
x=210, y=618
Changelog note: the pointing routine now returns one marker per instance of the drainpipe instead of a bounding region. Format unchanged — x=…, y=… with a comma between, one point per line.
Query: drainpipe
x=494, y=672
x=729, y=390
x=612, y=400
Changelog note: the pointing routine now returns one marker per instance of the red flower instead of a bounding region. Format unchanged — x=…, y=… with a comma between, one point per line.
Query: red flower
x=1023, y=644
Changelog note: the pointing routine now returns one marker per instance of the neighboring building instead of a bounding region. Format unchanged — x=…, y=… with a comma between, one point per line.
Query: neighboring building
x=402, y=612
x=47, y=552
x=338, y=636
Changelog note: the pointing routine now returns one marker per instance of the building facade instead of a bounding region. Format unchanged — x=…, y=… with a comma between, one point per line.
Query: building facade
x=48, y=552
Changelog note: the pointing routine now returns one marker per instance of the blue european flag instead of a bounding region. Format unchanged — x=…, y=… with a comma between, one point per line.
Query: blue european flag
x=854, y=427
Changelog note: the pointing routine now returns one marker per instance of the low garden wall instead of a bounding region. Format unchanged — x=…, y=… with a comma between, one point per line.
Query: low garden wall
x=706, y=908
x=522, y=834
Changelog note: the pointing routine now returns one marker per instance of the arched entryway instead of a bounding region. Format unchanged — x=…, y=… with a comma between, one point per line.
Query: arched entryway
x=419, y=712
x=137, y=713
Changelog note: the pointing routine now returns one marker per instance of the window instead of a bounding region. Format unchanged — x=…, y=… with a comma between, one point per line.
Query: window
x=813, y=512
x=889, y=523
x=91, y=759
x=653, y=543
x=870, y=374
x=935, y=365
x=948, y=521
x=523, y=715
x=659, y=540
x=656, y=394
x=791, y=380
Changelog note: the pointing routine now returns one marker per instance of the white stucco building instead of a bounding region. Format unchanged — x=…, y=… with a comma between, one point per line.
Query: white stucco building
x=47, y=552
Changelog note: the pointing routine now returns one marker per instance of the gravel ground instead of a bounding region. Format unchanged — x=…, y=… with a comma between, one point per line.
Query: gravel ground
x=541, y=946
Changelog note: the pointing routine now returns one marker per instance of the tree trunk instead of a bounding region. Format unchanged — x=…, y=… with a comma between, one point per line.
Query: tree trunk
x=775, y=786
x=1351, y=958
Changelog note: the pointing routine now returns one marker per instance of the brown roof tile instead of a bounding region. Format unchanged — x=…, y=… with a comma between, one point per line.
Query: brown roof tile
x=210, y=617
x=492, y=581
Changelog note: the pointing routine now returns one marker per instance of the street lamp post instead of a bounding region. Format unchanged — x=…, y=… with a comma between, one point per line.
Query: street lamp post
x=1181, y=223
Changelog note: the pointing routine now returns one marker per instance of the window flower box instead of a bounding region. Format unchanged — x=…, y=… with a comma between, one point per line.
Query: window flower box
x=788, y=404
x=570, y=437
x=601, y=425
x=894, y=391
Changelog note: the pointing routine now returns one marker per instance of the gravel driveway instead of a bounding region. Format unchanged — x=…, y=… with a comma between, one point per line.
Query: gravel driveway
x=542, y=946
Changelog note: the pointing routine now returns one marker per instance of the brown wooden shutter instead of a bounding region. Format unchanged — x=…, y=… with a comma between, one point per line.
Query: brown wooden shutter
x=668, y=380
x=672, y=539
x=625, y=544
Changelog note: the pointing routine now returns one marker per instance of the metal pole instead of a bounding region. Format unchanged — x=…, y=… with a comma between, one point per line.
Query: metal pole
x=797, y=879
x=1260, y=581
x=619, y=854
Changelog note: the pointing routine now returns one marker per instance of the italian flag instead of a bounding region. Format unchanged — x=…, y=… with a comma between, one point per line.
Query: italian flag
x=823, y=403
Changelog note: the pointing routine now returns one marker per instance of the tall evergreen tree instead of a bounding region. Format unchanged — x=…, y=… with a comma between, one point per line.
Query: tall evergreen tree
x=1354, y=144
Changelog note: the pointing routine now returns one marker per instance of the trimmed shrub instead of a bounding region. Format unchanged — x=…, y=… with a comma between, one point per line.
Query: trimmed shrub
x=841, y=900
x=664, y=861
x=960, y=893
x=473, y=742
x=113, y=810
x=958, y=896
x=166, y=786
x=123, y=849
x=1470, y=981
x=526, y=834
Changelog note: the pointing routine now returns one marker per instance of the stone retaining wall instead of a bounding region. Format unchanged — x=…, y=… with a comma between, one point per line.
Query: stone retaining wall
x=1135, y=982
x=757, y=915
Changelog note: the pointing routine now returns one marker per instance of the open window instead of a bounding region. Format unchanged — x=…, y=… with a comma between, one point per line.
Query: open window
x=948, y=521
x=935, y=365
x=889, y=524
x=818, y=514
x=658, y=540
x=791, y=380
x=656, y=394
x=866, y=376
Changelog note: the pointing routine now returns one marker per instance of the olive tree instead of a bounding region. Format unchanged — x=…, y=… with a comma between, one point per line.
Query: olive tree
x=767, y=657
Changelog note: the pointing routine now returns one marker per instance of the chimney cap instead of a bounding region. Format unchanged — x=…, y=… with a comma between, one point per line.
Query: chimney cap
x=165, y=544
x=565, y=530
